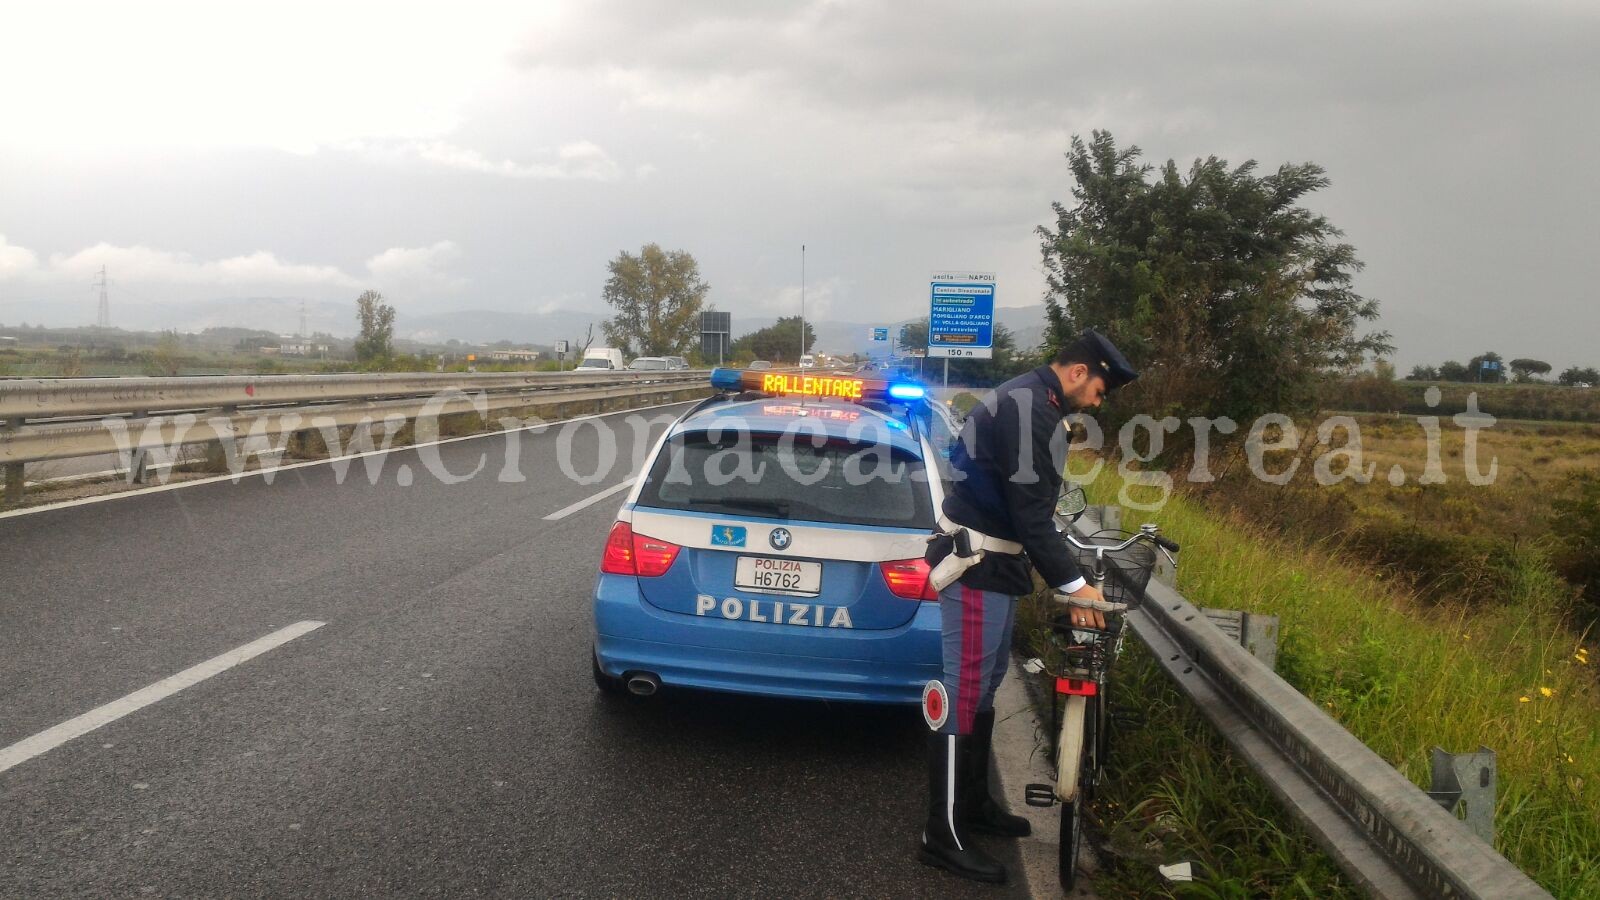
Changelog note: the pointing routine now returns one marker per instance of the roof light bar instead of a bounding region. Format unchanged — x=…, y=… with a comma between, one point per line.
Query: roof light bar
x=844, y=387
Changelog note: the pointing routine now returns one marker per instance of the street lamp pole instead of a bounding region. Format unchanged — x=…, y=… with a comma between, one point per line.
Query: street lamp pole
x=802, y=304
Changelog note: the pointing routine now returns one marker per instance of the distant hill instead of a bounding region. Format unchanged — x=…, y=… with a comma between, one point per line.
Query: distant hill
x=281, y=315
x=484, y=326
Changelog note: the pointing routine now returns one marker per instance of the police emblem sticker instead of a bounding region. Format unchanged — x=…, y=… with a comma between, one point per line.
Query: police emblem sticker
x=727, y=535
x=780, y=538
x=935, y=704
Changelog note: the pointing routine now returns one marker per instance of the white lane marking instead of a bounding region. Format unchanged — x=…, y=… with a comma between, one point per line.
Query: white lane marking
x=160, y=488
x=565, y=511
x=48, y=740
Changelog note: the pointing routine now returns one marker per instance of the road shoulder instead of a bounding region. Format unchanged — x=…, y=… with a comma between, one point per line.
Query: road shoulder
x=1020, y=757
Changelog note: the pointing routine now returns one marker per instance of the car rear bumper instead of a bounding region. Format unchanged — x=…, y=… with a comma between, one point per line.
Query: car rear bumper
x=869, y=665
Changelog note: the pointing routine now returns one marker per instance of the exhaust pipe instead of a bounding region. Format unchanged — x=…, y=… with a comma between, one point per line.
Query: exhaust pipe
x=643, y=684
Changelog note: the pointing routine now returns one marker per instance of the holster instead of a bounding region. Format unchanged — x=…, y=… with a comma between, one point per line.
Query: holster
x=949, y=555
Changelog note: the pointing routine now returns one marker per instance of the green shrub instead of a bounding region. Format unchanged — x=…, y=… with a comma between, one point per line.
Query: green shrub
x=1576, y=526
x=1442, y=565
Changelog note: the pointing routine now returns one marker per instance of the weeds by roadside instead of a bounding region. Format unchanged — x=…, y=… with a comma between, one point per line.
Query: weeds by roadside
x=1401, y=673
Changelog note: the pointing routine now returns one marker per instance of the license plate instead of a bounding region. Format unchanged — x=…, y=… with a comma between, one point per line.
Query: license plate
x=763, y=575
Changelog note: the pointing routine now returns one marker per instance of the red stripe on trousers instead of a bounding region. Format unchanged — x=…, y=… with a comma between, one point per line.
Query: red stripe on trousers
x=970, y=690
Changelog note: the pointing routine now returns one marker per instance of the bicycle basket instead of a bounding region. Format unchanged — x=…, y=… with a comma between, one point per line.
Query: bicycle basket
x=1127, y=570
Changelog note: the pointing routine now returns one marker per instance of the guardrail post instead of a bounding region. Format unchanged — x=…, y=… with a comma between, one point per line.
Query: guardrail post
x=1109, y=516
x=13, y=471
x=1466, y=782
x=138, y=457
x=1255, y=632
x=216, y=453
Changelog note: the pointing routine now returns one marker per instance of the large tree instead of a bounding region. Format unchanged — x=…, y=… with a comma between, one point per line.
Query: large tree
x=657, y=296
x=1528, y=369
x=913, y=336
x=779, y=342
x=1227, y=295
x=376, y=341
x=1477, y=372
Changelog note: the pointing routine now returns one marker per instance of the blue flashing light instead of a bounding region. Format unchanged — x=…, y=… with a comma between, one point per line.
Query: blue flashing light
x=727, y=379
x=904, y=391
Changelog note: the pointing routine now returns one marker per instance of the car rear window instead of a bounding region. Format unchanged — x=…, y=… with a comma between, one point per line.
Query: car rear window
x=787, y=476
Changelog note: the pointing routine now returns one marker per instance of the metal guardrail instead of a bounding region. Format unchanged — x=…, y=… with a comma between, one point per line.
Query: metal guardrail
x=1386, y=833
x=44, y=398
x=54, y=418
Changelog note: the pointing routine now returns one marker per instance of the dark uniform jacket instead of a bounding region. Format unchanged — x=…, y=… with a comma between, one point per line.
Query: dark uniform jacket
x=1007, y=469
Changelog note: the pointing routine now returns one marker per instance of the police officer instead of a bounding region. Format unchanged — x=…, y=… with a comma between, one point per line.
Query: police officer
x=998, y=521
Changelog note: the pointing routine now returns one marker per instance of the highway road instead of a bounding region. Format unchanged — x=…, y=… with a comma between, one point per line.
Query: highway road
x=439, y=735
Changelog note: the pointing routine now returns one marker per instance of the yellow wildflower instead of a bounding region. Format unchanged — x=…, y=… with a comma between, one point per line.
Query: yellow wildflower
x=1582, y=655
x=1524, y=699
x=1544, y=691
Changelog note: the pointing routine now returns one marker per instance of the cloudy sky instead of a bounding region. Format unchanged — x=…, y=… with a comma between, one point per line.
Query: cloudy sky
x=495, y=156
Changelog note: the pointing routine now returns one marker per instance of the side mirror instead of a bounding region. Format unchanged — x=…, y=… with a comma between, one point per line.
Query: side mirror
x=1072, y=502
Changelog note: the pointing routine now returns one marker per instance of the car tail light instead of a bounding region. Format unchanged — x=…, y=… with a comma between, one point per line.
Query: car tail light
x=653, y=556
x=908, y=578
x=627, y=553
x=618, y=556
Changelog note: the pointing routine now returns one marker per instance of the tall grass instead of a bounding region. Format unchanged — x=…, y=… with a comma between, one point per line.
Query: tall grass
x=1403, y=675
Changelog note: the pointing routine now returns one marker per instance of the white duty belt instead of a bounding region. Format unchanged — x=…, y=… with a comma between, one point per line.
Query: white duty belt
x=950, y=568
x=980, y=541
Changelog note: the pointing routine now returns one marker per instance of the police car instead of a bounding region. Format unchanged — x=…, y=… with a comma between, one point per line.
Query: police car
x=773, y=545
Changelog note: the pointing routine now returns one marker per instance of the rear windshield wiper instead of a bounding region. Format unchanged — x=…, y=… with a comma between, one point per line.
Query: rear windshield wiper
x=776, y=507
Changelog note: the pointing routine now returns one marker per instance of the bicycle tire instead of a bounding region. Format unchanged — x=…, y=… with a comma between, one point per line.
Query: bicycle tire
x=1070, y=748
x=1070, y=842
x=1102, y=717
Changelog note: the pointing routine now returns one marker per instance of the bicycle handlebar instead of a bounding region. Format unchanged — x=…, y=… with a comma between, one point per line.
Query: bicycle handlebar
x=1109, y=548
x=1170, y=545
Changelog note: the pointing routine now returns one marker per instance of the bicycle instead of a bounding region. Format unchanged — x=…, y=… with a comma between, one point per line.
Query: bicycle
x=1083, y=660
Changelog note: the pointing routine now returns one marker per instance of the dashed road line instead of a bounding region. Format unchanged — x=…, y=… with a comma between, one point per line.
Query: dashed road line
x=51, y=738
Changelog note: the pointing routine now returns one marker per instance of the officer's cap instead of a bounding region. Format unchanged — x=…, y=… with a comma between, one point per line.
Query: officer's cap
x=1102, y=357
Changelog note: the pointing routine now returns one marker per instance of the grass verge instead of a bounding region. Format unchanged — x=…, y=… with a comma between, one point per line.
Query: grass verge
x=1402, y=674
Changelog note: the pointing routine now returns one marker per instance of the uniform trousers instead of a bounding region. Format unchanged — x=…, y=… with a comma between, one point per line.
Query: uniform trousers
x=977, y=649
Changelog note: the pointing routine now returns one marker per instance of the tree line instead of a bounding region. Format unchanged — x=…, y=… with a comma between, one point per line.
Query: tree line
x=1491, y=368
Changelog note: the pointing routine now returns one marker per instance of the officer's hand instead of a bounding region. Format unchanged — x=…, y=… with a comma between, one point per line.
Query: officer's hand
x=1088, y=618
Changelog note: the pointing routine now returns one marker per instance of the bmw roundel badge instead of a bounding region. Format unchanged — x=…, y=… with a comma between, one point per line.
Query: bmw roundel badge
x=780, y=538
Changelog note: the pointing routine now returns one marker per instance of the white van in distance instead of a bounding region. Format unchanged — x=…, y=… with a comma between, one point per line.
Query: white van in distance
x=607, y=358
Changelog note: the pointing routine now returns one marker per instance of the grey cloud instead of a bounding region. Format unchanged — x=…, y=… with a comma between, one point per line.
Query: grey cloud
x=895, y=138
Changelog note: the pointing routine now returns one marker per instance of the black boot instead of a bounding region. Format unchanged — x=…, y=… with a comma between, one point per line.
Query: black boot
x=945, y=842
x=982, y=812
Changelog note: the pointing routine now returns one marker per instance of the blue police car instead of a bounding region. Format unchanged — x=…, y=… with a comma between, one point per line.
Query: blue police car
x=773, y=545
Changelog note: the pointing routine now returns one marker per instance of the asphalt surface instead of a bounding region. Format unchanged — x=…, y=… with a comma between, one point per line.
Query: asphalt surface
x=440, y=736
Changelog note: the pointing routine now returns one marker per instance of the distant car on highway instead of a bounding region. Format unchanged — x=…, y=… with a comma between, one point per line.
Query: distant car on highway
x=807, y=581
x=808, y=361
x=650, y=364
x=759, y=365
x=676, y=362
